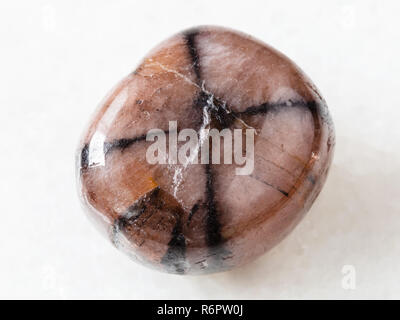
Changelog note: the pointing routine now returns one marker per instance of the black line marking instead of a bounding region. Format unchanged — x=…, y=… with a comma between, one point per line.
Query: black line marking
x=266, y=107
x=219, y=112
x=270, y=185
x=194, y=209
x=201, y=100
x=136, y=210
x=254, y=110
x=174, y=258
x=190, y=37
x=84, y=157
x=213, y=226
x=131, y=215
x=121, y=144
x=117, y=144
x=222, y=117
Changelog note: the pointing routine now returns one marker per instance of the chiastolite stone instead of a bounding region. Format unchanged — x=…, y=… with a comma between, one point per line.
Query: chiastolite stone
x=207, y=155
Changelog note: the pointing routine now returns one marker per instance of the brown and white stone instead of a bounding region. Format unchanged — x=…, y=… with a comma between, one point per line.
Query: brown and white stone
x=211, y=219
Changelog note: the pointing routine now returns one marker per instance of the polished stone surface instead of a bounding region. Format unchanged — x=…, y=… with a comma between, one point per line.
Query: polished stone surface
x=191, y=218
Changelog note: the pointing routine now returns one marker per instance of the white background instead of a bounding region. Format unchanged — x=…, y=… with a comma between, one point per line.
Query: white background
x=58, y=59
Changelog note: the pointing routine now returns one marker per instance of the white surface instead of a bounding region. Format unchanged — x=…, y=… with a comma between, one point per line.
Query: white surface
x=58, y=59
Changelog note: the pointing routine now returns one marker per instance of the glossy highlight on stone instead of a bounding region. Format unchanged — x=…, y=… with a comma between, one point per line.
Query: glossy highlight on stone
x=202, y=218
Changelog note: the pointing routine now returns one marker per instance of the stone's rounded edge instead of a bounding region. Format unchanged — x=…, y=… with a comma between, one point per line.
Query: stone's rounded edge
x=270, y=237
x=323, y=114
x=89, y=129
x=100, y=222
x=219, y=28
x=321, y=166
x=326, y=150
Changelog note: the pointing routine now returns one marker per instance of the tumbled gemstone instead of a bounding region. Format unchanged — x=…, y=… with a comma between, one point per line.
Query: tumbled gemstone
x=148, y=165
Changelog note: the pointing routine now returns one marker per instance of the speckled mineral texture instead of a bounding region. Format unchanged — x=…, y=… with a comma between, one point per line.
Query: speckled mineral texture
x=192, y=218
